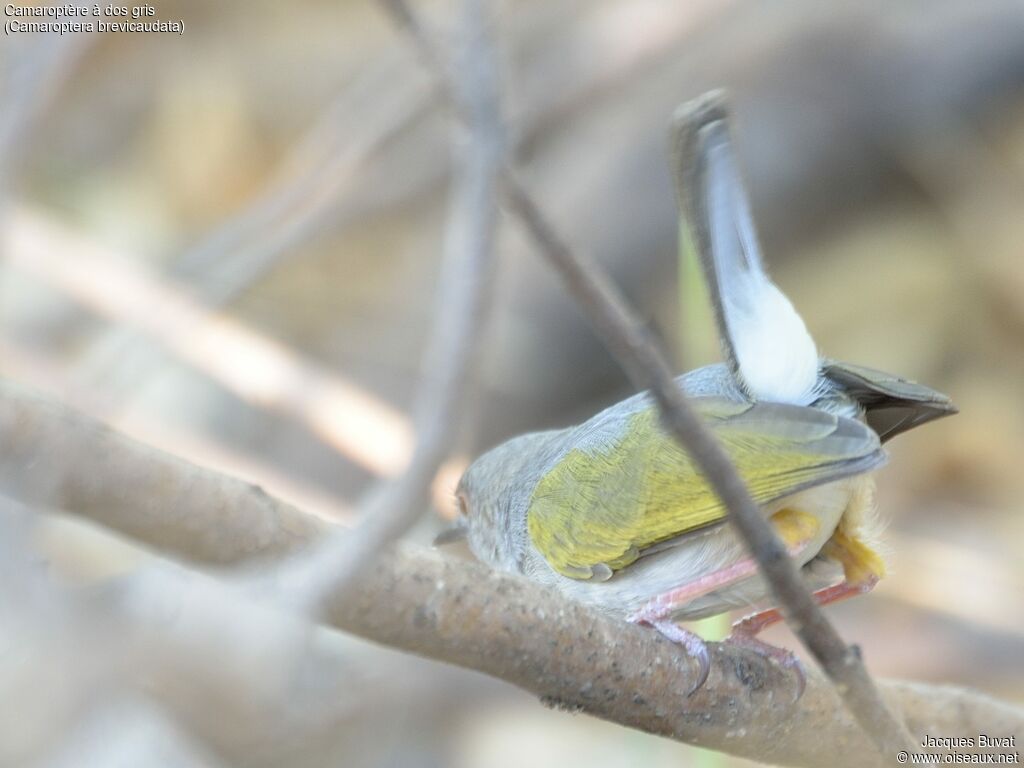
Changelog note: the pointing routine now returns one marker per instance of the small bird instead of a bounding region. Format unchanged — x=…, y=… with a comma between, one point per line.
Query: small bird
x=614, y=513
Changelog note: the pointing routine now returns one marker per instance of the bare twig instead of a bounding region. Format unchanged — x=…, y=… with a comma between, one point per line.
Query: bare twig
x=464, y=302
x=301, y=202
x=646, y=367
x=355, y=422
x=459, y=612
x=31, y=81
x=227, y=259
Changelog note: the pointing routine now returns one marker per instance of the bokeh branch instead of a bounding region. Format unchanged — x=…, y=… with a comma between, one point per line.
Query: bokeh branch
x=255, y=367
x=73, y=457
x=293, y=208
x=464, y=299
x=25, y=89
x=647, y=368
x=462, y=612
x=236, y=676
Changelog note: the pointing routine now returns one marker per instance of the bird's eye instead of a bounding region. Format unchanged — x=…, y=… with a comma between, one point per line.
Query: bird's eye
x=463, y=504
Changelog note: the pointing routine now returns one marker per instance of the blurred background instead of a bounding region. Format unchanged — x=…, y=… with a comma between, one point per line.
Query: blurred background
x=226, y=244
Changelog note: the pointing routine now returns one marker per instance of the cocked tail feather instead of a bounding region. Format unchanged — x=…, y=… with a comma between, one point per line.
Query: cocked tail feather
x=607, y=501
x=765, y=341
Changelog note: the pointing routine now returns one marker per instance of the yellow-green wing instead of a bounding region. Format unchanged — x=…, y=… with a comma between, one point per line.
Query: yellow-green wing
x=626, y=485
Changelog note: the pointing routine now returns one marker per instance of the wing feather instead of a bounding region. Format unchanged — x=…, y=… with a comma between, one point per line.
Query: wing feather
x=608, y=499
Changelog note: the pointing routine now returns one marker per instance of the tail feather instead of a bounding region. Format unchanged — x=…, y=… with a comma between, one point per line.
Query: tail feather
x=766, y=343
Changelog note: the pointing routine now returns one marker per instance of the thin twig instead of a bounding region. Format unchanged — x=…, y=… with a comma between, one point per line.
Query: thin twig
x=646, y=367
x=364, y=118
x=464, y=302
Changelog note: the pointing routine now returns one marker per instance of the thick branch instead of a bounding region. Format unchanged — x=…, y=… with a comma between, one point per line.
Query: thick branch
x=52, y=457
x=464, y=613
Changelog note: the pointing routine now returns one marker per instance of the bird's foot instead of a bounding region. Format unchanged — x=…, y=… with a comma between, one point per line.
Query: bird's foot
x=781, y=656
x=692, y=642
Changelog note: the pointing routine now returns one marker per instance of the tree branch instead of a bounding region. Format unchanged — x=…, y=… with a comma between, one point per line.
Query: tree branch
x=623, y=335
x=52, y=457
x=240, y=675
x=467, y=614
x=463, y=613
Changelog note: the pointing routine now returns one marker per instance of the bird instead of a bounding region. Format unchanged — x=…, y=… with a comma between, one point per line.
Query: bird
x=614, y=513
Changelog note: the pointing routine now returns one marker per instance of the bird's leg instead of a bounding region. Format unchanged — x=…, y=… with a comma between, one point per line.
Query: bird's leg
x=657, y=612
x=744, y=632
x=660, y=607
x=694, y=644
x=796, y=529
x=862, y=569
x=752, y=625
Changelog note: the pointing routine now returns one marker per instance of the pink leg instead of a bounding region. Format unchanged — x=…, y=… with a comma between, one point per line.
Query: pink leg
x=752, y=625
x=664, y=605
x=657, y=612
x=744, y=632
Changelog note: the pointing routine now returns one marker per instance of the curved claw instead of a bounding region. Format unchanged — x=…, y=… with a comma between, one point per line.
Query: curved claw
x=693, y=643
x=781, y=656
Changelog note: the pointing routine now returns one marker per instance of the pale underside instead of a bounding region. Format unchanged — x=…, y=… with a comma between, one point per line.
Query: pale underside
x=846, y=503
